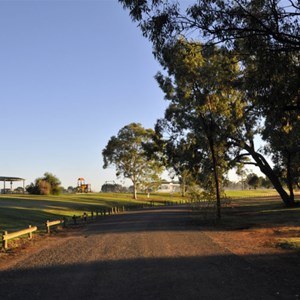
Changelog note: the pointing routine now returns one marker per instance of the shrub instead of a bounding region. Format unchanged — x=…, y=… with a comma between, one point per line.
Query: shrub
x=49, y=184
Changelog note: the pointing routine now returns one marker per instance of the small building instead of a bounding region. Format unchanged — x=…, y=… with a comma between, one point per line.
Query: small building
x=10, y=180
x=169, y=187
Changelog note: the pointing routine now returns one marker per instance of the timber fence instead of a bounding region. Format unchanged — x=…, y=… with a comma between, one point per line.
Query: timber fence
x=7, y=236
x=82, y=219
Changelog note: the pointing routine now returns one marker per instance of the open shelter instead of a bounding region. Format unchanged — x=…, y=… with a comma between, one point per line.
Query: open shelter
x=11, y=180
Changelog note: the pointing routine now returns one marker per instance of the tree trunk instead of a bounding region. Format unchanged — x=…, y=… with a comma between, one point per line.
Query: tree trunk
x=133, y=179
x=216, y=177
x=183, y=186
x=289, y=177
x=268, y=171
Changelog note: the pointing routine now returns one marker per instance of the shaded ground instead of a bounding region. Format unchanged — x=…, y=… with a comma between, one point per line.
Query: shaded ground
x=152, y=254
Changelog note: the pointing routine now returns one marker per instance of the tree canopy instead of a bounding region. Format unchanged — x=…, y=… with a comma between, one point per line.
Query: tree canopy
x=126, y=152
x=204, y=109
x=264, y=39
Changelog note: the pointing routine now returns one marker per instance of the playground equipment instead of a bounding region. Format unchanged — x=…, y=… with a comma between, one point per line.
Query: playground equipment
x=83, y=187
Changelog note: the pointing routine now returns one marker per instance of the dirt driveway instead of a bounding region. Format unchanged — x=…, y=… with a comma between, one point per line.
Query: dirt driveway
x=150, y=254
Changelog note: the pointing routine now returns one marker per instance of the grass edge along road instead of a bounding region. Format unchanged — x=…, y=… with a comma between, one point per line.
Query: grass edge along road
x=18, y=211
x=249, y=208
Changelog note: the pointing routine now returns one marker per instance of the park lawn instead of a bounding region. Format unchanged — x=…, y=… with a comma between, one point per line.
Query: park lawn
x=259, y=212
x=19, y=211
x=249, y=208
x=257, y=208
x=238, y=194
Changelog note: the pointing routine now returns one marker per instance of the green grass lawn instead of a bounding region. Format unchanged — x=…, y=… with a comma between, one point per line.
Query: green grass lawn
x=250, y=193
x=18, y=211
x=249, y=208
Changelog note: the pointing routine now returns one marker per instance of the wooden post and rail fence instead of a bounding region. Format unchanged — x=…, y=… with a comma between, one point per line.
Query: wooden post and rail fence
x=76, y=220
x=53, y=223
x=8, y=236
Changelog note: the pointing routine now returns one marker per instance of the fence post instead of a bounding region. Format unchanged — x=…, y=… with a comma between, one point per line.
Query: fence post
x=65, y=222
x=47, y=227
x=92, y=215
x=30, y=234
x=4, y=242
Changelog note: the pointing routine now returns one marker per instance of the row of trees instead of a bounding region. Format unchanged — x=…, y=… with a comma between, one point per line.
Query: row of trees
x=231, y=73
x=255, y=181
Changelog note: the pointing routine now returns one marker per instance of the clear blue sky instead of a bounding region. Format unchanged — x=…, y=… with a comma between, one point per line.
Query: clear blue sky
x=72, y=73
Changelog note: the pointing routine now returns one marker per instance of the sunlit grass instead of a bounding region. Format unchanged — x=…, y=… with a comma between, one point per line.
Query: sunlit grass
x=251, y=193
x=18, y=211
x=289, y=243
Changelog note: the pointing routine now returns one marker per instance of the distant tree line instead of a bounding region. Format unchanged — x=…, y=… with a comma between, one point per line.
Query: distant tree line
x=252, y=181
x=113, y=188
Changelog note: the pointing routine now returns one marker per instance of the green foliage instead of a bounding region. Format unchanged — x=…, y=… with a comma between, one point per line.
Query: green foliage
x=289, y=243
x=263, y=39
x=203, y=112
x=127, y=153
x=113, y=188
x=253, y=180
x=266, y=183
x=47, y=185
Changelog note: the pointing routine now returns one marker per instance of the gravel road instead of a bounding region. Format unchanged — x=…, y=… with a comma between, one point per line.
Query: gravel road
x=150, y=254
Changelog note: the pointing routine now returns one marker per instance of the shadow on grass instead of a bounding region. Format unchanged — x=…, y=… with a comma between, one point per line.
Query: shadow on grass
x=17, y=211
x=265, y=214
x=248, y=213
x=17, y=218
x=213, y=277
x=36, y=203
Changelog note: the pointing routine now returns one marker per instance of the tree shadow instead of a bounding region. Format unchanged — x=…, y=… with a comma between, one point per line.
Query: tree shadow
x=157, y=219
x=208, y=277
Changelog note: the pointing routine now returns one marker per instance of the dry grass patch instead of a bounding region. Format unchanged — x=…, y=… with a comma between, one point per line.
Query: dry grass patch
x=258, y=226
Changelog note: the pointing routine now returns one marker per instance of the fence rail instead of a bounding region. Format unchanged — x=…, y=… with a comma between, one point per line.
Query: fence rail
x=7, y=236
x=77, y=220
x=53, y=223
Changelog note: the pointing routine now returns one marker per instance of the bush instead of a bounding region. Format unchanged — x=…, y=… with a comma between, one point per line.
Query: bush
x=47, y=185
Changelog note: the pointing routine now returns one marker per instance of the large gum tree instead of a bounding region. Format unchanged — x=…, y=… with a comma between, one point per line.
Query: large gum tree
x=126, y=153
x=265, y=37
x=204, y=112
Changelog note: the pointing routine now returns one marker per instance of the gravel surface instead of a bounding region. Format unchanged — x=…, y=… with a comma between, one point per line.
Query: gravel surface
x=150, y=254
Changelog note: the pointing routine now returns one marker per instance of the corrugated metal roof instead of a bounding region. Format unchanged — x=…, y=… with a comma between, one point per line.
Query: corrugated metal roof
x=4, y=178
